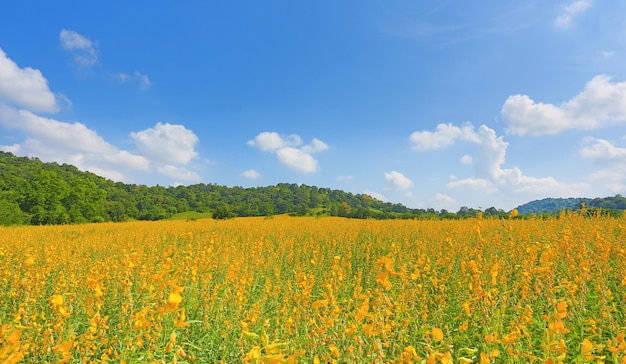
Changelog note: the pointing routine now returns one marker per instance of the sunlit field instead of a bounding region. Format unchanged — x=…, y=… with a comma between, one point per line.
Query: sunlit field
x=307, y=290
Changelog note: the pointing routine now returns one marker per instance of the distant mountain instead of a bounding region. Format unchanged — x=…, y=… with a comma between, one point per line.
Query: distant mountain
x=551, y=205
x=615, y=204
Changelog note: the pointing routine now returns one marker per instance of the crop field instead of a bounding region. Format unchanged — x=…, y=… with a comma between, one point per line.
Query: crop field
x=315, y=290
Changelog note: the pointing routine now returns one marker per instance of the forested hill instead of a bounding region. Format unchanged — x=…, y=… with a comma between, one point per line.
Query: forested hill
x=551, y=205
x=615, y=205
x=34, y=192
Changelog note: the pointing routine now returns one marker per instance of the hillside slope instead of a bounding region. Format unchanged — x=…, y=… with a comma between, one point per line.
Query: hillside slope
x=38, y=193
x=615, y=204
x=34, y=192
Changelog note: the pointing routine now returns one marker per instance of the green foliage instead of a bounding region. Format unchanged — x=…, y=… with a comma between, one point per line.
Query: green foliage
x=48, y=193
x=33, y=192
x=551, y=205
x=344, y=210
x=10, y=212
x=614, y=206
x=223, y=212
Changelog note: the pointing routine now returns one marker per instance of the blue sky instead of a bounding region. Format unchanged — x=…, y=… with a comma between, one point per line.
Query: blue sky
x=428, y=103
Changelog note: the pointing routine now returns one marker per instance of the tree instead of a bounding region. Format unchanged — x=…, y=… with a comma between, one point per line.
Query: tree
x=344, y=210
x=223, y=212
x=10, y=213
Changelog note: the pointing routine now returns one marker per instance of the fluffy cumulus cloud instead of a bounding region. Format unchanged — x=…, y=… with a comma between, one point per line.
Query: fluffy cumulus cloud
x=444, y=135
x=603, y=151
x=81, y=47
x=289, y=150
x=397, y=181
x=251, y=174
x=601, y=103
x=73, y=143
x=490, y=176
x=570, y=12
x=164, y=149
x=610, y=161
x=272, y=141
x=297, y=159
x=167, y=143
x=76, y=144
x=25, y=87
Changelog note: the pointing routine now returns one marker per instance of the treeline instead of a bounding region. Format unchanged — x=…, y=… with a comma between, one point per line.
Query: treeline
x=614, y=206
x=38, y=193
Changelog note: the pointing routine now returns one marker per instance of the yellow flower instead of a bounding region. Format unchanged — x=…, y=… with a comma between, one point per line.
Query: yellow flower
x=29, y=261
x=174, y=300
x=561, y=310
x=437, y=334
x=383, y=279
x=56, y=300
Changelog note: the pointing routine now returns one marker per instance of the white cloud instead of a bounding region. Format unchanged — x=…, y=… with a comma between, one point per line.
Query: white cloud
x=490, y=176
x=83, y=49
x=316, y=146
x=473, y=183
x=397, y=181
x=289, y=150
x=127, y=159
x=57, y=134
x=143, y=81
x=466, y=159
x=601, y=103
x=251, y=174
x=73, y=143
x=603, y=150
x=344, y=178
x=442, y=201
x=297, y=159
x=611, y=161
x=76, y=144
x=112, y=174
x=272, y=141
x=165, y=147
x=178, y=172
x=376, y=195
x=570, y=11
x=25, y=87
x=444, y=135
x=167, y=143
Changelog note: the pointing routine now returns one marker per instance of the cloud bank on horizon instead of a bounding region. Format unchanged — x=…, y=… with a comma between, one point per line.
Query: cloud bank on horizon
x=569, y=141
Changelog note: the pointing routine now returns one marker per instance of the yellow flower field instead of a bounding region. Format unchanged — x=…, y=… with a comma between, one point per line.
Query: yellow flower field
x=307, y=290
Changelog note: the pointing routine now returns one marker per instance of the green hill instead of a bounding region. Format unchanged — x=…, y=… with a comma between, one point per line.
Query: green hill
x=38, y=193
x=34, y=192
x=551, y=205
x=614, y=205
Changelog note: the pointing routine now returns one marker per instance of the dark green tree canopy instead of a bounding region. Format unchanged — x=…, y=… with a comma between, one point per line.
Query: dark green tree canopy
x=33, y=192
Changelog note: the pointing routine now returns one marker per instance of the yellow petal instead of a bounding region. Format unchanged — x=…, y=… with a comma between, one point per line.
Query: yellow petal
x=437, y=334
